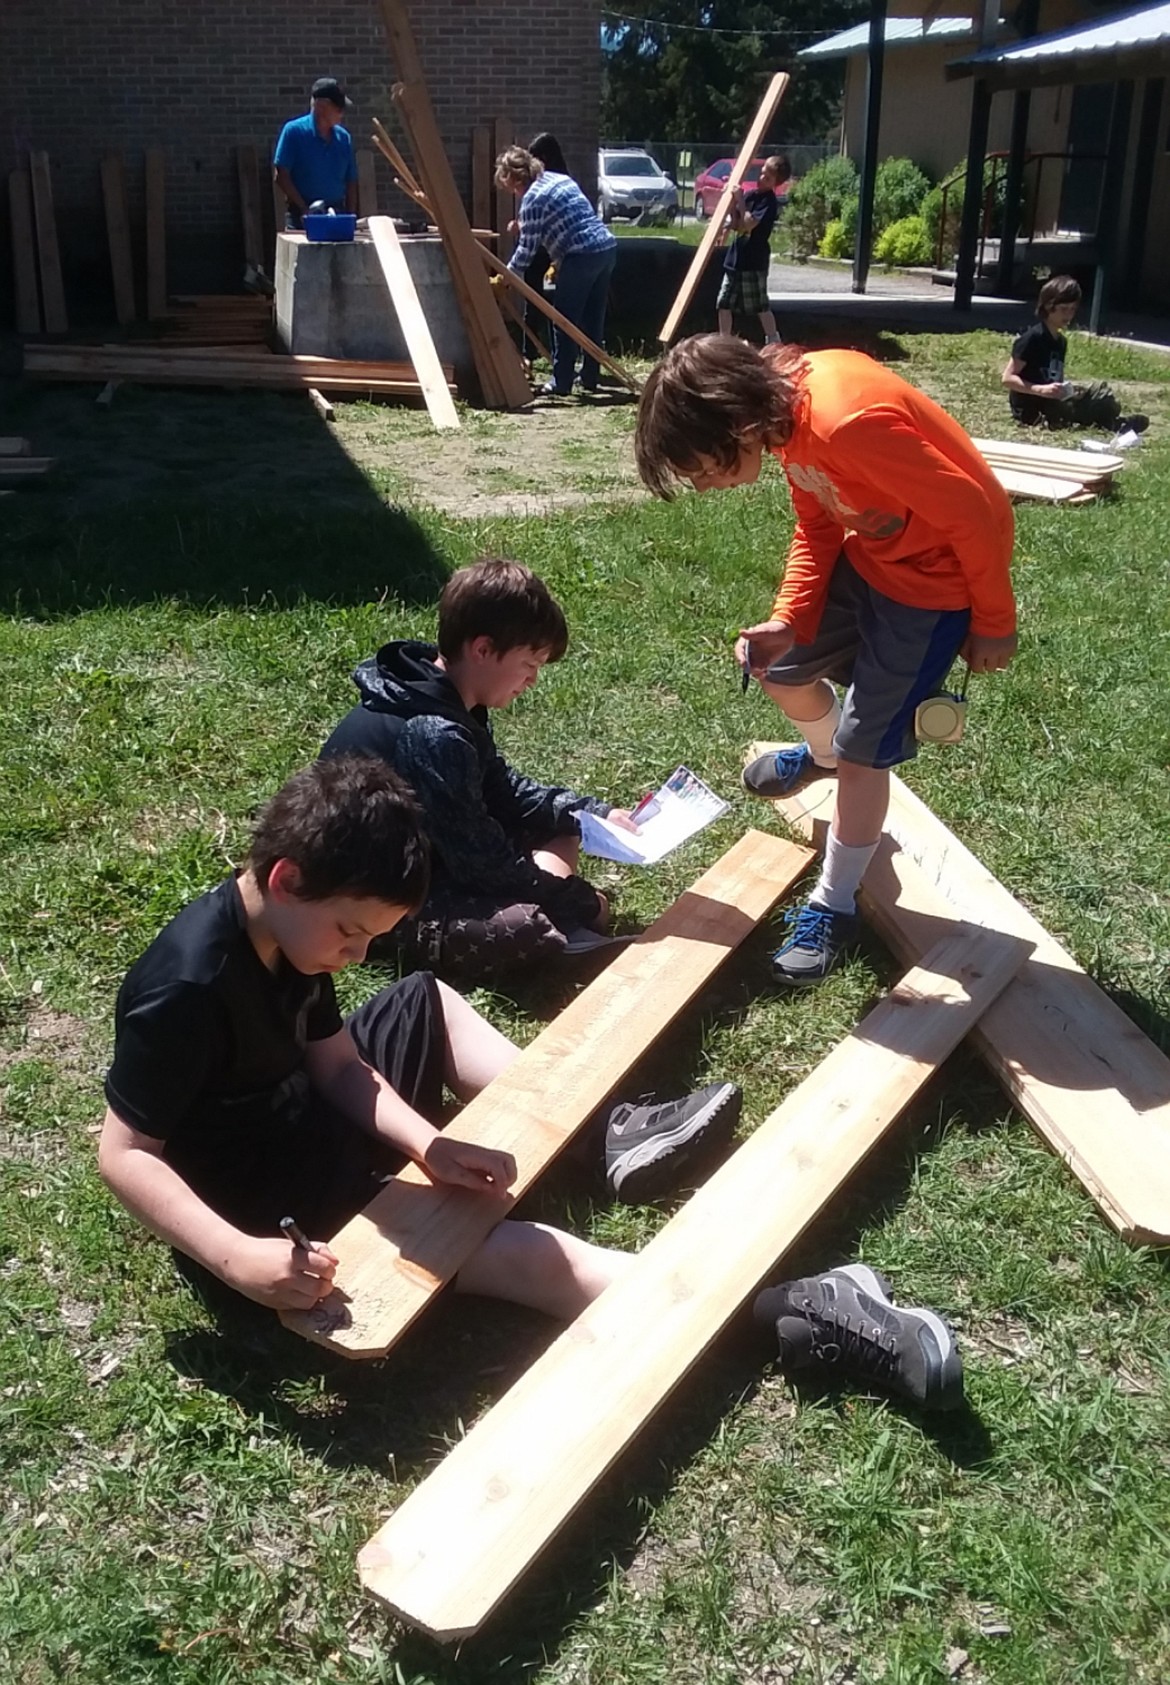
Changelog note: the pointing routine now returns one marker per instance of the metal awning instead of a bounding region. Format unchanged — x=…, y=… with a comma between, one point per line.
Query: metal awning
x=898, y=32
x=1134, y=43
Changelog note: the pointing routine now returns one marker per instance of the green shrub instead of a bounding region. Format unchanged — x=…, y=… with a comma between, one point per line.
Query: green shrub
x=815, y=201
x=904, y=243
x=898, y=191
x=850, y=211
x=834, y=241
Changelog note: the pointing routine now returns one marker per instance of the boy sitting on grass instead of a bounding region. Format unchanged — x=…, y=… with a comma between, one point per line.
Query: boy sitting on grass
x=237, y=1096
x=1034, y=374
x=506, y=890
x=899, y=562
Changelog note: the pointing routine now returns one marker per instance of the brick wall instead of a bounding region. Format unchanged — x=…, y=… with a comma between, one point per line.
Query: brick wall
x=199, y=77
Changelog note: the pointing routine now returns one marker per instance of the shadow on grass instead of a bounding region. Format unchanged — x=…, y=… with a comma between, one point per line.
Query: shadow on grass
x=205, y=497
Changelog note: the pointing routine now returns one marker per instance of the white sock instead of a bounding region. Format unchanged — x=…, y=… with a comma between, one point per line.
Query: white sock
x=841, y=874
x=819, y=734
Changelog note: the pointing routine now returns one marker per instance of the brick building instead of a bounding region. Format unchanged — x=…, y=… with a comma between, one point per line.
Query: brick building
x=200, y=77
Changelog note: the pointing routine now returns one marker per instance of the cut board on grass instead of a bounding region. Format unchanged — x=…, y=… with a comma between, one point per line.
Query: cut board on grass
x=711, y=235
x=461, y=1541
x=24, y=258
x=48, y=251
x=1079, y=1069
x=1046, y=457
x=409, y=310
x=1041, y=488
x=412, y=1239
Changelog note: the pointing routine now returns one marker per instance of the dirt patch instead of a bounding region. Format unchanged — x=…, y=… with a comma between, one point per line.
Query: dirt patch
x=46, y=1034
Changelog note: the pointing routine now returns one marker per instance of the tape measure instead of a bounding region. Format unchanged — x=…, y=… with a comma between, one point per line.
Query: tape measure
x=942, y=718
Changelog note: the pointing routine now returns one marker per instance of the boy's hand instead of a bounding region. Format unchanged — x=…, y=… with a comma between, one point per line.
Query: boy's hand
x=282, y=1276
x=464, y=1165
x=622, y=818
x=758, y=646
x=987, y=655
x=1051, y=389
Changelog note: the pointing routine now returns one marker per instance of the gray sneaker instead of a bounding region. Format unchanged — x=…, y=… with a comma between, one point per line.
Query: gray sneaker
x=649, y=1145
x=846, y=1321
x=781, y=771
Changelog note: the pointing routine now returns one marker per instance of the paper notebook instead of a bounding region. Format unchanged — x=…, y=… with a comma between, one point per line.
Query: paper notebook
x=679, y=810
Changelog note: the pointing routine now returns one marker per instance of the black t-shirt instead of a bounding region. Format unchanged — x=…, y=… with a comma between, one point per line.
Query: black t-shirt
x=753, y=251
x=209, y=1057
x=1042, y=354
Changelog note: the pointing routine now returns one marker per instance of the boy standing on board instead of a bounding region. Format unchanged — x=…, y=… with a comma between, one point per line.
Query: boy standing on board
x=899, y=562
x=237, y=1096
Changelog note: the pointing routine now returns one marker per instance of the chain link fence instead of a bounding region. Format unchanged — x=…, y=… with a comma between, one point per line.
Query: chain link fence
x=683, y=160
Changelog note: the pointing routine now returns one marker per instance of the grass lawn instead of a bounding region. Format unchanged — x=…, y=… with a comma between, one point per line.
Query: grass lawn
x=183, y=600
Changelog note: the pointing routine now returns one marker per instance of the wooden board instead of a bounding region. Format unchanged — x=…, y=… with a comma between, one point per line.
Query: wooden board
x=481, y=176
x=13, y=445
x=48, y=252
x=60, y=358
x=404, y=296
x=412, y=1239
x=503, y=136
x=1039, y=487
x=713, y=231
x=462, y=1539
x=24, y=258
x=1092, y=1084
x=118, y=234
x=155, y=165
x=248, y=175
x=367, y=181
x=1081, y=473
x=519, y=285
x=321, y=404
x=1051, y=456
x=16, y=467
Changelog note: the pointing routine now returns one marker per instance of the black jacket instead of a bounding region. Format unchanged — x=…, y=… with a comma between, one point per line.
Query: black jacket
x=483, y=817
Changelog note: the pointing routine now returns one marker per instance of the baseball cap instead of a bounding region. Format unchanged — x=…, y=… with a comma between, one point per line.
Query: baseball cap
x=327, y=87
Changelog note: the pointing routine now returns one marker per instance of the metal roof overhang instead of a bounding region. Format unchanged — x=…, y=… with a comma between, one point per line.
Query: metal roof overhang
x=1029, y=65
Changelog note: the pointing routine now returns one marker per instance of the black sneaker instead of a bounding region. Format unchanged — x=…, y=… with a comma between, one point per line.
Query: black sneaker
x=781, y=771
x=819, y=938
x=846, y=1321
x=1133, y=423
x=648, y=1145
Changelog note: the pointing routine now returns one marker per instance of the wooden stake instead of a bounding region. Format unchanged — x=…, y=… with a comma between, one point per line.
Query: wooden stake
x=321, y=404
x=747, y=152
x=481, y=176
x=24, y=262
x=398, y=1253
x=248, y=174
x=367, y=182
x=156, y=233
x=504, y=135
x=118, y=233
x=1094, y=1086
x=413, y=323
x=52, y=286
x=461, y=1541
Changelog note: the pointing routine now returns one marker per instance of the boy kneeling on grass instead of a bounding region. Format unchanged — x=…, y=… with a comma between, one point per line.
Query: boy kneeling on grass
x=506, y=891
x=237, y=1096
x=899, y=562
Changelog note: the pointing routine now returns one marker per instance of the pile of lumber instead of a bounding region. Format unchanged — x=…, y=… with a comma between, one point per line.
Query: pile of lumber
x=215, y=319
x=17, y=463
x=233, y=366
x=1047, y=474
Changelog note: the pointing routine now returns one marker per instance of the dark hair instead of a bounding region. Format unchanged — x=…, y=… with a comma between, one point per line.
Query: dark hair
x=1061, y=289
x=547, y=148
x=779, y=165
x=707, y=397
x=351, y=827
x=504, y=601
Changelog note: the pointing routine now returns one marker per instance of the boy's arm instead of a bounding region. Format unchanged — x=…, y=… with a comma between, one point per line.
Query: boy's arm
x=812, y=556
x=342, y=1078
x=272, y=1272
x=1013, y=378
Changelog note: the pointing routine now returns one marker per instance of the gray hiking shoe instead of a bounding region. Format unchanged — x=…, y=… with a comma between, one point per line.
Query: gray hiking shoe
x=781, y=771
x=845, y=1321
x=648, y=1146
x=819, y=938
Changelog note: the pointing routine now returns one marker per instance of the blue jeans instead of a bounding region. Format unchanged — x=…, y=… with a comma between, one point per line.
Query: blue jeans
x=582, y=293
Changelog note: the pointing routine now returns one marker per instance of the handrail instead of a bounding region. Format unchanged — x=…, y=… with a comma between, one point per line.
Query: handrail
x=989, y=194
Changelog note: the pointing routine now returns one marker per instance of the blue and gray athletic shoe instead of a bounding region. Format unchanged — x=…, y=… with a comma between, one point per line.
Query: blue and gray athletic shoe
x=819, y=938
x=781, y=771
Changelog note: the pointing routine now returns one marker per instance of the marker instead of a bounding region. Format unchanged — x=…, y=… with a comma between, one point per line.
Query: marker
x=292, y=1231
x=747, y=667
x=643, y=804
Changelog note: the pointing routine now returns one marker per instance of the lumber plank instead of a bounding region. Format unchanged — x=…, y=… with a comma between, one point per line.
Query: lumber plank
x=711, y=235
x=1083, y=473
x=24, y=262
x=462, y=1539
x=397, y=1253
x=1042, y=489
x=15, y=467
x=1051, y=456
x=1094, y=1087
x=481, y=175
x=503, y=136
x=155, y=167
x=321, y=404
x=92, y=359
x=409, y=310
x=248, y=175
x=118, y=235
x=13, y=445
x=367, y=181
x=48, y=251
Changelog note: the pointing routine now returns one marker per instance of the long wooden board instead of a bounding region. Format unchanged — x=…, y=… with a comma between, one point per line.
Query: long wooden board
x=248, y=175
x=1047, y=457
x=24, y=260
x=412, y=1239
x=413, y=323
x=1085, y=1076
x=503, y=136
x=1023, y=482
x=118, y=235
x=367, y=182
x=155, y=167
x=481, y=175
x=460, y=1542
x=713, y=231
x=62, y=358
x=48, y=251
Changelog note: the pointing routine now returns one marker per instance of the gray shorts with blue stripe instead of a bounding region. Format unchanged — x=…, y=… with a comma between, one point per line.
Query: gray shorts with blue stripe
x=889, y=657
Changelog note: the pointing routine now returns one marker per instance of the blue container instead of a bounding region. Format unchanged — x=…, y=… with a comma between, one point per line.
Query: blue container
x=338, y=227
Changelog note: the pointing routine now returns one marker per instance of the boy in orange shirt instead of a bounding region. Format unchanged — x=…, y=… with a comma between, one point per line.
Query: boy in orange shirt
x=899, y=562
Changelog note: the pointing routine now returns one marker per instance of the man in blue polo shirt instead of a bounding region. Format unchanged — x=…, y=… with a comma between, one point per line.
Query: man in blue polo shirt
x=314, y=162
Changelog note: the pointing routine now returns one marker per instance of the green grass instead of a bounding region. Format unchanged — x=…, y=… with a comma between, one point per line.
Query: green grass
x=183, y=600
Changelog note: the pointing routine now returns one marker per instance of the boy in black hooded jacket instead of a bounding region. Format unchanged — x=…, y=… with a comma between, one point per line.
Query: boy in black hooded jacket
x=506, y=890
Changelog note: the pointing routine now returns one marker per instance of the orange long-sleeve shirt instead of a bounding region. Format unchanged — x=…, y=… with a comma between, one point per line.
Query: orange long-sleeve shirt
x=880, y=470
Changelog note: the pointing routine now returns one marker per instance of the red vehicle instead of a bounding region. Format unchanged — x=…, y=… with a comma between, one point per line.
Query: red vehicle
x=709, y=184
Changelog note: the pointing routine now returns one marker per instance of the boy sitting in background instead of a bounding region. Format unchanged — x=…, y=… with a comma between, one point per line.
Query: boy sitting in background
x=237, y=1096
x=1034, y=373
x=506, y=890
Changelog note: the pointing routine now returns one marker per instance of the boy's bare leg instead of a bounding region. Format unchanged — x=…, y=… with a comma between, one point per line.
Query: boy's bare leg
x=476, y=1051
x=560, y=856
x=768, y=323
x=863, y=795
x=725, y=322
x=544, y=1268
